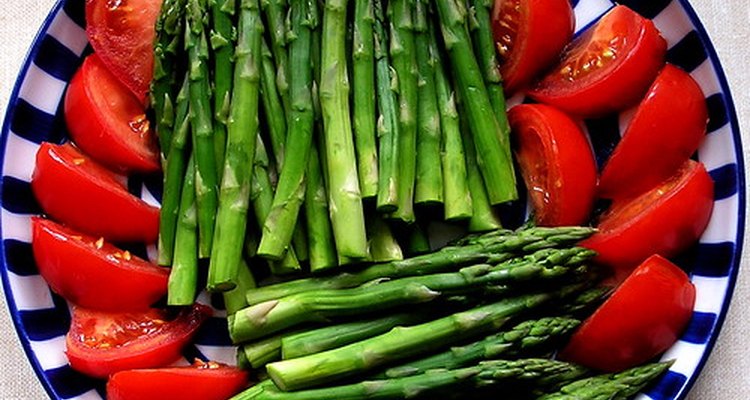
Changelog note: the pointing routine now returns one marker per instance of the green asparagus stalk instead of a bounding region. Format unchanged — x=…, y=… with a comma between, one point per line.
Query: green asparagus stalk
x=183, y=277
x=290, y=190
x=261, y=197
x=498, y=372
x=480, y=250
x=429, y=174
x=363, y=88
x=322, y=250
x=222, y=44
x=586, y=302
x=275, y=12
x=234, y=300
x=383, y=246
x=273, y=110
x=616, y=386
x=528, y=335
x=206, y=180
x=318, y=305
x=331, y=337
x=403, y=56
x=257, y=354
x=417, y=241
x=387, y=124
x=404, y=342
x=164, y=84
x=457, y=198
x=492, y=157
x=234, y=199
x=345, y=202
x=174, y=175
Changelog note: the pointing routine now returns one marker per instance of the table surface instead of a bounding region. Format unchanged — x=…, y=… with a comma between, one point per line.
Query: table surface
x=727, y=374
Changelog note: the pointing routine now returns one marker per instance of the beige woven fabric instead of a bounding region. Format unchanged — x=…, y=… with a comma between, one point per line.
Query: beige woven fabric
x=727, y=374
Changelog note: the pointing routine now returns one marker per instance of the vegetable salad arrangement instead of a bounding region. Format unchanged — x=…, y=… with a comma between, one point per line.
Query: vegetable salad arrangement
x=307, y=147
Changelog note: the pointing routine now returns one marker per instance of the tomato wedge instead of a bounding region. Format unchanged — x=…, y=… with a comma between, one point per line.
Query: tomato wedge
x=557, y=164
x=107, y=122
x=665, y=220
x=122, y=33
x=530, y=34
x=76, y=266
x=667, y=128
x=201, y=381
x=641, y=320
x=80, y=193
x=101, y=343
x=606, y=69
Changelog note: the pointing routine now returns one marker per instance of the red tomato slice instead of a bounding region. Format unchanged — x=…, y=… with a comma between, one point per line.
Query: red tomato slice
x=101, y=343
x=122, y=33
x=530, y=35
x=201, y=381
x=665, y=221
x=641, y=320
x=75, y=265
x=609, y=67
x=666, y=130
x=556, y=163
x=107, y=122
x=78, y=192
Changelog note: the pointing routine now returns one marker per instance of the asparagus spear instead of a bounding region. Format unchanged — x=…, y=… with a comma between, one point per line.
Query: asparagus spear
x=387, y=125
x=383, y=246
x=429, y=174
x=206, y=181
x=322, y=250
x=273, y=110
x=330, y=337
x=363, y=86
x=174, y=175
x=457, y=198
x=290, y=190
x=222, y=44
x=526, y=335
x=617, y=386
x=183, y=277
x=403, y=55
x=318, y=305
x=169, y=35
x=234, y=300
x=275, y=12
x=347, y=216
x=479, y=249
x=492, y=157
x=528, y=371
x=403, y=342
x=243, y=124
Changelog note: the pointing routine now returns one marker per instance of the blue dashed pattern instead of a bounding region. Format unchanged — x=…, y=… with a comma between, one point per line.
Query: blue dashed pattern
x=715, y=258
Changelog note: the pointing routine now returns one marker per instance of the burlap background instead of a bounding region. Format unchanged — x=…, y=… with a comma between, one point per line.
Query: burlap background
x=727, y=374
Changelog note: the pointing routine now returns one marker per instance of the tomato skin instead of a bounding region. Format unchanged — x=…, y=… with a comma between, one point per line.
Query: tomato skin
x=631, y=52
x=641, y=320
x=122, y=33
x=107, y=122
x=556, y=163
x=666, y=220
x=129, y=340
x=78, y=192
x=667, y=128
x=205, y=381
x=75, y=265
x=530, y=39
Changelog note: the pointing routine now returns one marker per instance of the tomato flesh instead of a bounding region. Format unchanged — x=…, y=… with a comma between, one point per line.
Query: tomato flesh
x=666, y=220
x=75, y=265
x=78, y=192
x=122, y=33
x=201, y=381
x=530, y=34
x=101, y=343
x=641, y=320
x=606, y=69
x=667, y=128
x=107, y=122
x=557, y=164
